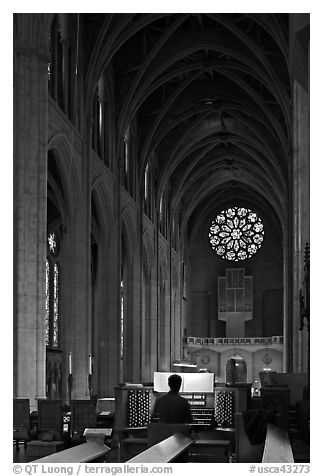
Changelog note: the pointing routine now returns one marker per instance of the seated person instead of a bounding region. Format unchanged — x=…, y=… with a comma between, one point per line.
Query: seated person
x=172, y=408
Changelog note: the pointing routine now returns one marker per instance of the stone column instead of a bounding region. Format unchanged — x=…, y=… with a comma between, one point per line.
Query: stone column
x=30, y=227
x=235, y=322
x=176, y=341
x=77, y=273
x=107, y=319
x=136, y=318
x=301, y=213
x=154, y=319
x=75, y=290
x=167, y=324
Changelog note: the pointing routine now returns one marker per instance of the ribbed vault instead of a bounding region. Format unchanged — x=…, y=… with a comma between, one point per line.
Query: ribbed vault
x=211, y=97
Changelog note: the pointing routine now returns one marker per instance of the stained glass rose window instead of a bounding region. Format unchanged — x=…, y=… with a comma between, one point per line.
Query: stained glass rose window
x=236, y=234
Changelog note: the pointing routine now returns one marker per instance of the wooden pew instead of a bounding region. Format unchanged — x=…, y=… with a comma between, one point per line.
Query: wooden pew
x=50, y=427
x=21, y=421
x=82, y=416
x=165, y=451
x=245, y=452
x=130, y=440
x=277, y=446
x=83, y=453
x=210, y=451
x=204, y=447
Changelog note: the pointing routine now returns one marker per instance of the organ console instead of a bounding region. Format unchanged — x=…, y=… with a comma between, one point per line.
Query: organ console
x=211, y=407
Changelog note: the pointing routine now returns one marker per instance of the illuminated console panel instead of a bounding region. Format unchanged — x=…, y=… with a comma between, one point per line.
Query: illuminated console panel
x=202, y=408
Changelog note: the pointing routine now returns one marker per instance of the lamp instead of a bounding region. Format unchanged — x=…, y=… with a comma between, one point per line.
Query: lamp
x=184, y=363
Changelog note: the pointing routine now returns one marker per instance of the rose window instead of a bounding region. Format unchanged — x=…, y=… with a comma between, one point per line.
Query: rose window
x=236, y=234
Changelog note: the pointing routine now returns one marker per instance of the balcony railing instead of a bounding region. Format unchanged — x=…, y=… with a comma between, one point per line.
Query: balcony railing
x=233, y=340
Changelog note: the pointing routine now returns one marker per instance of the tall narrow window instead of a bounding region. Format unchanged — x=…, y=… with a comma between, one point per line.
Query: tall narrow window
x=62, y=64
x=147, y=190
x=129, y=169
x=121, y=327
x=52, y=283
x=47, y=302
x=163, y=213
x=126, y=160
x=55, y=306
x=55, y=66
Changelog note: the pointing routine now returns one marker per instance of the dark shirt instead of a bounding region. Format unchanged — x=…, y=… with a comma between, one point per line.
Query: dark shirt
x=172, y=408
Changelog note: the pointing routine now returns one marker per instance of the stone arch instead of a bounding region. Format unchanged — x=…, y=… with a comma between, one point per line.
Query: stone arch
x=163, y=264
x=148, y=252
x=103, y=206
x=68, y=172
x=128, y=233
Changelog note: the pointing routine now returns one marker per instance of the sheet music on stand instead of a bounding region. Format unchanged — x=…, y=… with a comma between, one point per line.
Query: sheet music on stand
x=191, y=382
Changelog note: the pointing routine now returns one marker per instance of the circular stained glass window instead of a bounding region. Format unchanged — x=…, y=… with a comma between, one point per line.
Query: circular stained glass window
x=236, y=234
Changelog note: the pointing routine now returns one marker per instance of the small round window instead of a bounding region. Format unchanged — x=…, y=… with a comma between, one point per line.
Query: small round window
x=236, y=234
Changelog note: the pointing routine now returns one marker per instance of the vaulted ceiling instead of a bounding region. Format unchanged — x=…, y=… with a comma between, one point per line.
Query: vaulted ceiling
x=211, y=94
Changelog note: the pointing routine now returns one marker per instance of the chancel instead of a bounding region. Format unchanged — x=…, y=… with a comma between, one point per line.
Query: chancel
x=161, y=226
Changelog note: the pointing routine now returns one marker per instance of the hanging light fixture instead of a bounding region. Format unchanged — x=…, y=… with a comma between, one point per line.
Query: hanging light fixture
x=184, y=363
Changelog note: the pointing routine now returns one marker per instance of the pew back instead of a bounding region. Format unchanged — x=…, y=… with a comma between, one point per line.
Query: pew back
x=245, y=452
x=89, y=451
x=50, y=415
x=277, y=446
x=165, y=451
x=21, y=420
x=157, y=432
x=21, y=410
x=82, y=415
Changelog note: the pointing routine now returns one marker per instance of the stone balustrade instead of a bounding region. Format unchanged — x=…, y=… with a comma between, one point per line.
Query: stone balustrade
x=211, y=341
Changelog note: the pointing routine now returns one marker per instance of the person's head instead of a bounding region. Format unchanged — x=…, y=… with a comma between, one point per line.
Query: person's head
x=175, y=382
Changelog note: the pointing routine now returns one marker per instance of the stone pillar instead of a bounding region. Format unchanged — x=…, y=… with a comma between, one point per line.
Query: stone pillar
x=136, y=319
x=76, y=313
x=145, y=361
x=301, y=213
x=77, y=274
x=167, y=324
x=30, y=227
x=176, y=340
x=235, y=322
x=154, y=320
x=107, y=319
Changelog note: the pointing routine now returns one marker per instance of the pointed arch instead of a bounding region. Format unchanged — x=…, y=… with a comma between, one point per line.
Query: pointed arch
x=102, y=202
x=148, y=251
x=68, y=171
x=163, y=263
x=128, y=232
